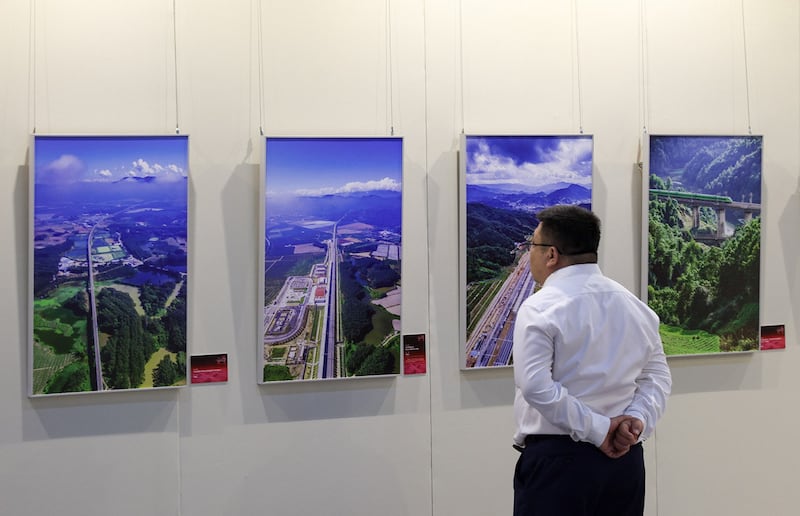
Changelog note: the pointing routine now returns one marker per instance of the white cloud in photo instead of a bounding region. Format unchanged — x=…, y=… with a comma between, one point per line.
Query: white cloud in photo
x=67, y=168
x=101, y=176
x=565, y=163
x=353, y=187
x=169, y=173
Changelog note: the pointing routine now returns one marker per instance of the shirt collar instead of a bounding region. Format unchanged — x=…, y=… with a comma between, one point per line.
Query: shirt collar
x=569, y=271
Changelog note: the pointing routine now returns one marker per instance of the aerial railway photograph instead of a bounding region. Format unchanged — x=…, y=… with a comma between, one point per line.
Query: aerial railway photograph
x=109, y=263
x=332, y=258
x=703, y=209
x=507, y=180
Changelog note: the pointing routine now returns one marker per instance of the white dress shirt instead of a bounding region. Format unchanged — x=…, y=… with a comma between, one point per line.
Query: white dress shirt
x=586, y=350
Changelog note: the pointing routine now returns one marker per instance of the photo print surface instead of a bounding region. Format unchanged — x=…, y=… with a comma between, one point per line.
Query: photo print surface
x=332, y=258
x=108, y=263
x=703, y=209
x=506, y=181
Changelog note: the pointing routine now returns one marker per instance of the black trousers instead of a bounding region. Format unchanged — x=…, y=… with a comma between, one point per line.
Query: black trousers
x=556, y=476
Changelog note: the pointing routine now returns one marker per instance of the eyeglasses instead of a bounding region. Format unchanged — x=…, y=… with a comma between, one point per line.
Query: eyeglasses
x=527, y=244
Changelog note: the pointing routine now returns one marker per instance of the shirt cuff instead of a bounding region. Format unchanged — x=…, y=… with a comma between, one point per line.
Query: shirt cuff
x=599, y=429
x=641, y=417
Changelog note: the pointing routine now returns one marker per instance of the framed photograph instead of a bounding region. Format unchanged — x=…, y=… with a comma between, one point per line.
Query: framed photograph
x=108, y=263
x=332, y=256
x=702, y=241
x=505, y=181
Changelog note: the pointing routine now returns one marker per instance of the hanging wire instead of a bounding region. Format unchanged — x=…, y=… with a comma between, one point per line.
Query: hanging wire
x=461, y=58
x=389, y=77
x=32, y=65
x=578, y=64
x=259, y=18
x=645, y=72
x=175, y=57
x=746, y=70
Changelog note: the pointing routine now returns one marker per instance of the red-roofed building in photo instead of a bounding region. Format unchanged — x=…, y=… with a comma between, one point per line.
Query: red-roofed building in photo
x=319, y=295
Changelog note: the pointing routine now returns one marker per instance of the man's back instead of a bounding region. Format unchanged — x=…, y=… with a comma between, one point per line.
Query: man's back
x=603, y=338
x=596, y=337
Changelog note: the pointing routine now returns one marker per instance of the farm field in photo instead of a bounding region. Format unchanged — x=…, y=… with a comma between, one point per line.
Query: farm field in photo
x=109, y=269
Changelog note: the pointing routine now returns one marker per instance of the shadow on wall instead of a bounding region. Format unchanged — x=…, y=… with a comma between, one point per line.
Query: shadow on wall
x=328, y=399
x=21, y=237
x=729, y=372
x=83, y=415
x=789, y=235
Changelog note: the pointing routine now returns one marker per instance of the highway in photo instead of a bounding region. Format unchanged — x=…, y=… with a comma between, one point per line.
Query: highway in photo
x=491, y=342
x=98, y=365
x=328, y=338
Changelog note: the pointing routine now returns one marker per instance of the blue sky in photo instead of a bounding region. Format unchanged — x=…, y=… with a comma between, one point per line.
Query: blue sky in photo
x=529, y=161
x=71, y=159
x=323, y=166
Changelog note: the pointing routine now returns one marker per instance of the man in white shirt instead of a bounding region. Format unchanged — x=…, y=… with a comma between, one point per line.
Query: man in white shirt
x=591, y=378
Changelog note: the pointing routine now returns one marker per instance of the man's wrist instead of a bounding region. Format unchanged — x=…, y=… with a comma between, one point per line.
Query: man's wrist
x=599, y=429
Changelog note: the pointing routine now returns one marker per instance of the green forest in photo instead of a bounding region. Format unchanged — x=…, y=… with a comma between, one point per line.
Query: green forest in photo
x=705, y=286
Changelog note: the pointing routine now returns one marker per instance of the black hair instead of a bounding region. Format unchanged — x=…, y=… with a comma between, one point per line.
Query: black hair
x=572, y=229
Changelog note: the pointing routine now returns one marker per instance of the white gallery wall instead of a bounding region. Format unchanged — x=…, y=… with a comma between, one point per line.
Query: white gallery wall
x=427, y=70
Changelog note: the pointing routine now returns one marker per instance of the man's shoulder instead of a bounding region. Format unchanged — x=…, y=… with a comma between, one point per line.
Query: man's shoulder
x=544, y=298
x=551, y=297
x=629, y=299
